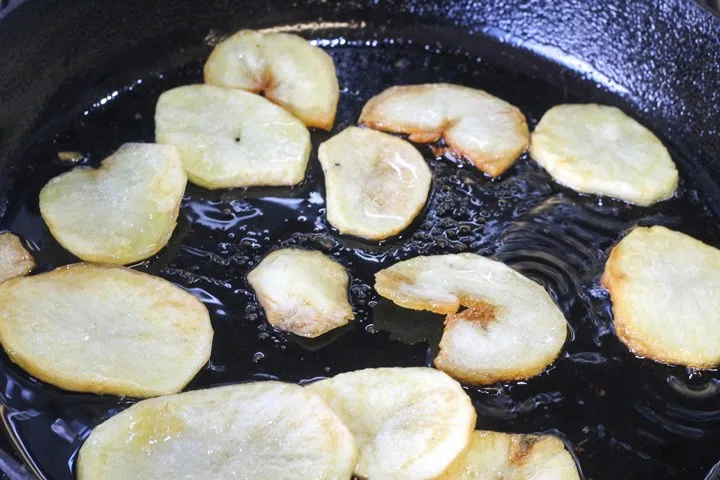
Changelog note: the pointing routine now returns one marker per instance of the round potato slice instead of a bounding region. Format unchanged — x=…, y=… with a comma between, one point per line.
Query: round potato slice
x=230, y=138
x=495, y=455
x=598, y=149
x=510, y=328
x=15, y=261
x=285, y=68
x=258, y=431
x=376, y=184
x=664, y=289
x=488, y=131
x=302, y=292
x=122, y=212
x=89, y=328
x=408, y=422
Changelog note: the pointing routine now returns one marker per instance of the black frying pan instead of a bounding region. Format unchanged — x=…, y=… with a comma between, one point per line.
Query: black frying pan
x=84, y=76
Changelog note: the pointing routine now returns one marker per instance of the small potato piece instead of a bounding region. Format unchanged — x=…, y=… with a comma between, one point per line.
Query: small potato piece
x=376, y=184
x=408, y=422
x=598, y=149
x=286, y=68
x=258, y=431
x=495, y=455
x=664, y=289
x=510, y=330
x=122, y=212
x=89, y=328
x=15, y=261
x=230, y=138
x=488, y=131
x=302, y=292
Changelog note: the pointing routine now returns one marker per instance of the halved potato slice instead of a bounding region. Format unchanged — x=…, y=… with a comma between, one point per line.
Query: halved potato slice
x=664, y=289
x=15, y=261
x=495, y=455
x=598, y=149
x=376, y=184
x=89, y=328
x=510, y=329
x=122, y=212
x=302, y=292
x=230, y=138
x=258, y=431
x=407, y=422
x=286, y=68
x=488, y=131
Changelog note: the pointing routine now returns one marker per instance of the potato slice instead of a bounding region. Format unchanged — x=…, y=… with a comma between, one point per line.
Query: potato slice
x=510, y=329
x=408, y=422
x=286, y=68
x=15, y=261
x=598, y=149
x=495, y=455
x=376, y=184
x=258, y=431
x=302, y=292
x=488, y=131
x=230, y=138
x=664, y=289
x=122, y=212
x=90, y=328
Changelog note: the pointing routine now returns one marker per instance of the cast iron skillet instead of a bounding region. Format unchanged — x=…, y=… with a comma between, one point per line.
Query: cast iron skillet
x=84, y=76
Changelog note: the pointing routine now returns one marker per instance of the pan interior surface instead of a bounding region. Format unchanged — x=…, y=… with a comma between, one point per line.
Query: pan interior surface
x=624, y=417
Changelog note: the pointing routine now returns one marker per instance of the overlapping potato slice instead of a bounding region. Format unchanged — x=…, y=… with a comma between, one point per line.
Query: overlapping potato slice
x=302, y=292
x=15, y=261
x=488, y=131
x=258, y=431
x=407, y=422
x=230, y=138
x=286, y=68
x=510, y=329
x=495, y=455
x=598, y=149
x=376, y=184
x=664, y=289
x=122, y=212
x=98, y=329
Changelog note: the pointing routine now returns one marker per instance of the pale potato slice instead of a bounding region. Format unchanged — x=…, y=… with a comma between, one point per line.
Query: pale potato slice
x=90, y=328
x=15, y=261
x=407, y=422
x=258, y=431
x=302, y=292
x=664, y=289
x=495, y=455
x=122, y=212
x=230, y=138
x=488, y=131
x=598, y=149
x=285, y=68
x=376, y=184
x=510, y=330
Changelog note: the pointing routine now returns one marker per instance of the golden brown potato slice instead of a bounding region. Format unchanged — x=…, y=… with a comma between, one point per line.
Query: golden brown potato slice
x=407, y=422
x=495, y=455
x=285, y=68
x=598, y=149
x=664, y=289
x=488, y=131
x=376, y=184
x=89, y=328
x=15, y=261
x=122, y=212
x=258, y=431
x=510, y=328
x=302, y=292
